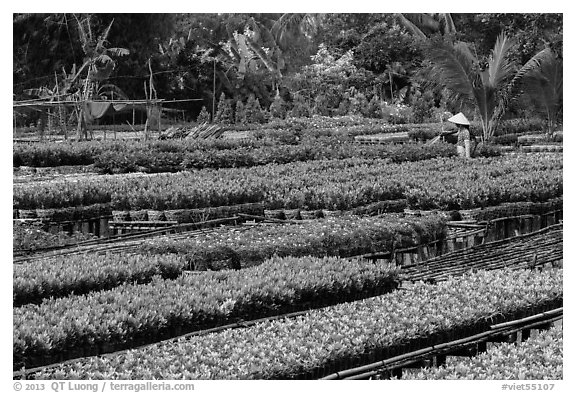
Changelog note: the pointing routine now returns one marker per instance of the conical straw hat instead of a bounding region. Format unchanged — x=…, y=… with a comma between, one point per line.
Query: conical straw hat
x=459, y=119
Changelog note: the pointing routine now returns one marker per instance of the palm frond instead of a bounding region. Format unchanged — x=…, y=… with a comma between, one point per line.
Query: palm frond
x=464, y=49
x=449, y=26
x=288, y=23
x=511, y=89
x=285, y=23
x=531, y=65
x=500, y=68
x=453, y=66
x=428, y=21
x=544, y=88
x=410, y=26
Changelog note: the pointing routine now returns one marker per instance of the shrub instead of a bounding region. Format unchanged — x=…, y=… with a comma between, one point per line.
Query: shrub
x=254, y=110
x=278, y=107
x=224, y=112
x=486, y=150
x=240, y=115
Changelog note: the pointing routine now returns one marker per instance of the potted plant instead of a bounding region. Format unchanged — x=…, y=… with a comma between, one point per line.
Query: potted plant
x=120, y=207
x=138, y=204
x=157, y=207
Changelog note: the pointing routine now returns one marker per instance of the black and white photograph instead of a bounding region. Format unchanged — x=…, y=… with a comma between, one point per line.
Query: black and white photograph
x=205, y=197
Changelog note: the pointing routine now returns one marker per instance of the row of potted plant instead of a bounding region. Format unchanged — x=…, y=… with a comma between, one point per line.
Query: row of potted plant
x=441, y=183
x=333, y=338
x=308, y=150
x=337, y=236
x=538, y=358
x=133, y=314
x=31, y=236
x=83, y=273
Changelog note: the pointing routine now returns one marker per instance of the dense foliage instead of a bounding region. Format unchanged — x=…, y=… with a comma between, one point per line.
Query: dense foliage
x=287, y=348
x=322, y=184
x=367, y=64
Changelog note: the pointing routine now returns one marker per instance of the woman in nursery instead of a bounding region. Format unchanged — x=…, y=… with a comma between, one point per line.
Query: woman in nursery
x=463, y=144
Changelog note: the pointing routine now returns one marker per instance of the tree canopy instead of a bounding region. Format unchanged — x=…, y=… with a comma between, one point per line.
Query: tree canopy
x=274, y=56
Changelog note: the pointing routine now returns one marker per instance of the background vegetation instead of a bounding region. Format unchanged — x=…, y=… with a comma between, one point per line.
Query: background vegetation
x=374, y=65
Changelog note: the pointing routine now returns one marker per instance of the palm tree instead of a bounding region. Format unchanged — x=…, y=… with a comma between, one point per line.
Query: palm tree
x=488, y=89
x=422, y=25
x=291, y=24
x=543, y=87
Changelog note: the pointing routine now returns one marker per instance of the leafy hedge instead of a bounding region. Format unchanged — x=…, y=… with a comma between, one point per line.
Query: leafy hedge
x=540, y=357
x=153, y=161
x=441, y=183
x=336, y=236
x=133, y=314
x=79, y=274
x=330, y=339
x=54, y=154
x=49, y=154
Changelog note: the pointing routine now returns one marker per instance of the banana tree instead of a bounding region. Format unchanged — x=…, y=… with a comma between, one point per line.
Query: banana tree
x=97, y=67
x=489, y=89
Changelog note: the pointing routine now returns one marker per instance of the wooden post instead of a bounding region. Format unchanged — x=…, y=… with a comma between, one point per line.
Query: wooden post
x=159, y=119
x=104, y=228
x=482, y=347
x=425, y=254
x=525, y=334
x=61, y=122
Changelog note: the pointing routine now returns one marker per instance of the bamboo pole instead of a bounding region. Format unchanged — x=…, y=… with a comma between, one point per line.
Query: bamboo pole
x=545, y=314
x=214, y=91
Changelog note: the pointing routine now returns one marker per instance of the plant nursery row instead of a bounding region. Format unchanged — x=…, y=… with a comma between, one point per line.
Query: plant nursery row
x=334, y=236
x=292, y=131
x=133, y=314
x=82, y=273
x=333, y=338
x=220, y=248
x=441, y=183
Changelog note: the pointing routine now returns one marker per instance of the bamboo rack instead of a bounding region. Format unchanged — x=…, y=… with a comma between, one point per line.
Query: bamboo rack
x=510, y=327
